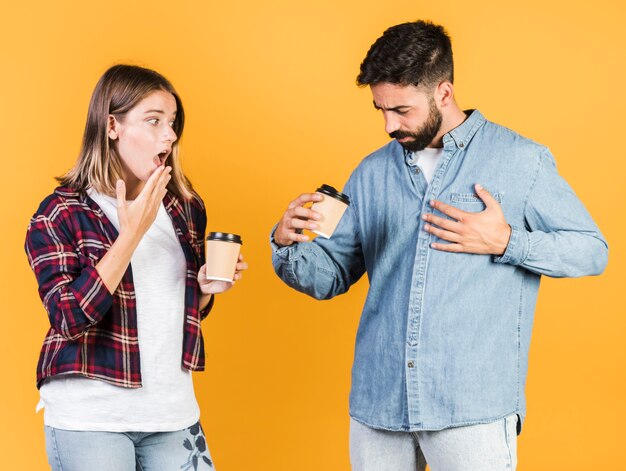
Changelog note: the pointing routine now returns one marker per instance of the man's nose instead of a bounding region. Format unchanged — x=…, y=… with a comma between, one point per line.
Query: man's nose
x=391, y=124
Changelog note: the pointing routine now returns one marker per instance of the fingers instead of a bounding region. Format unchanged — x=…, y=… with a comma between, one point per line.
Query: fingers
x=162, y=181
x=284, y=236
x=120, y=192
x=304, y=213
x=444, y=223
x=298, y=237
x=157, y=183
x=305, y=198
x=443, y=234
x=457, y=248
x=165, y=177
x=155, y=193
x=448, y=210
x=485, y=196
x=297, y=218
x=154, y=178
x=241, y=266
x=295, y=223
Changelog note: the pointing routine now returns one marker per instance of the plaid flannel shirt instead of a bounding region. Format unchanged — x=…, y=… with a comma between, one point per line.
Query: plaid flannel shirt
x=94, y=333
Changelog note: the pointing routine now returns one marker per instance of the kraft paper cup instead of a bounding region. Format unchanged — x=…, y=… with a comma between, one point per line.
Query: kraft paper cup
x=222, y=254
x=332, y=208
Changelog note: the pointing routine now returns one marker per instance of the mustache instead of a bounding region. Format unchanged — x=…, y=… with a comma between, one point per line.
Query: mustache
x=401, y=134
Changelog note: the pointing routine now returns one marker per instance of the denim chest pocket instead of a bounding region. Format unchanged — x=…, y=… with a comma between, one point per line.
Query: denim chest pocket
x=470, y=202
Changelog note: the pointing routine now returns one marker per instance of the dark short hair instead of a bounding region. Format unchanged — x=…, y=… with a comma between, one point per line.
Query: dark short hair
x=417, y=53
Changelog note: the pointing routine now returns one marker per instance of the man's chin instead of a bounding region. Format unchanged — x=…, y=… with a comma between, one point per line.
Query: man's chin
x=411, y=145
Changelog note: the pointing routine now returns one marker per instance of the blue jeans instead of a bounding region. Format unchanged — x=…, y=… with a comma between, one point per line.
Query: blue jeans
x=483, y=447
x=128, y=451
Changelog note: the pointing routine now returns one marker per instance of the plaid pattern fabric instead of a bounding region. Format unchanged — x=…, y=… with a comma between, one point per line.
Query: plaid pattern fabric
x=94, y=333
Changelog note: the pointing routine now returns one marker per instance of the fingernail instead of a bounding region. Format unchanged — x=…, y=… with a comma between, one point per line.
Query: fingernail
x=432, y=202
x=478, y=186
x=424, y=217
x=426, y=227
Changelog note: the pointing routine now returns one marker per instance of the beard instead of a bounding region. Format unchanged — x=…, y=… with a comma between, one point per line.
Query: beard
x=423, y=136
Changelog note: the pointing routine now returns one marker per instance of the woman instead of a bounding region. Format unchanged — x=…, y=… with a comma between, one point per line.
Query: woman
x=122, y=279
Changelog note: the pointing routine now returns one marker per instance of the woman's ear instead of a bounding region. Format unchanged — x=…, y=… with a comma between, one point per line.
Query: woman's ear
x=112, y=127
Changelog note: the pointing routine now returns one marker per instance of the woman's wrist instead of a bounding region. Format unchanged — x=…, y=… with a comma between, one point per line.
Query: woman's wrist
x=205, y=299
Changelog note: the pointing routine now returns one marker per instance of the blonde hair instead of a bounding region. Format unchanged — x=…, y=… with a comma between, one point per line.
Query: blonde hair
x=119, y=90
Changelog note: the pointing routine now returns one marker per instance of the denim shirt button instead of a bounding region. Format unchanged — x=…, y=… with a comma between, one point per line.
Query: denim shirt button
x=461, y=145
x=410, y=364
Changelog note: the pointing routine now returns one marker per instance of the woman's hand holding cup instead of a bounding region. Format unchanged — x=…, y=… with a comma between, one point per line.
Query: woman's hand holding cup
x=219, y=286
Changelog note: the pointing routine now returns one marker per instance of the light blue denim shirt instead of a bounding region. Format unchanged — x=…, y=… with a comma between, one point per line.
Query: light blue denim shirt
x=443, y=338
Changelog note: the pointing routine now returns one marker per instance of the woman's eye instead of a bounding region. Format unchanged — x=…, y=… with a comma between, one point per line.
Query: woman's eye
x=154, y=121
x=172, y=124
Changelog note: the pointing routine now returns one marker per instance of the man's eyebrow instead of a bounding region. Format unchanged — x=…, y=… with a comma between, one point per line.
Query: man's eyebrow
x=395, y=108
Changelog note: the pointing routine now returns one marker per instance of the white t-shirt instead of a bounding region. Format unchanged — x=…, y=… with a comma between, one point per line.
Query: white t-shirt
x=166, y=401
x=426, y=160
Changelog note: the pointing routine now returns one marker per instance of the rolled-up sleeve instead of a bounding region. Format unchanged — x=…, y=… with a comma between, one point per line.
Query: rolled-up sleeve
x=72, y=292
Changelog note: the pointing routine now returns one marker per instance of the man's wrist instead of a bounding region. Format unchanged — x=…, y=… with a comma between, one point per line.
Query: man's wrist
x=275, y=242
x=279, y=245
x=506, y=238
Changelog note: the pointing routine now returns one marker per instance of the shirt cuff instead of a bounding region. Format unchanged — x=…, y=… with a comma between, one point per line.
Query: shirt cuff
x=93, y=296
x=518, y=248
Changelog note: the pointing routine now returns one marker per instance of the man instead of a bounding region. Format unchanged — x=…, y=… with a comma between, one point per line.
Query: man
x=454, y=222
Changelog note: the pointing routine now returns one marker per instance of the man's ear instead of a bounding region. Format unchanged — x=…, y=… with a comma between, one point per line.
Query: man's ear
x=444, y=93
x=113, y=127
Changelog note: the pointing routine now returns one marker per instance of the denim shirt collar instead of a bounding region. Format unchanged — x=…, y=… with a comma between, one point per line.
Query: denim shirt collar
x=463, y=133
x=458, y=137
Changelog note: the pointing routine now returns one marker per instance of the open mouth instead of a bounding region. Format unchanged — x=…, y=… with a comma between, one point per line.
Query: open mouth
x=160, y=158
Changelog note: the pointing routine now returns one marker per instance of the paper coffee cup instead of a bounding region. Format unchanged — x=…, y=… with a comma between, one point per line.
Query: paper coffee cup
x=332, y=208
x=222, y=254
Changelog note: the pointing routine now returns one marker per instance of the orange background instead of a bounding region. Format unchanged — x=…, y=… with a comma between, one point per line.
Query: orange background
x=272, y=111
